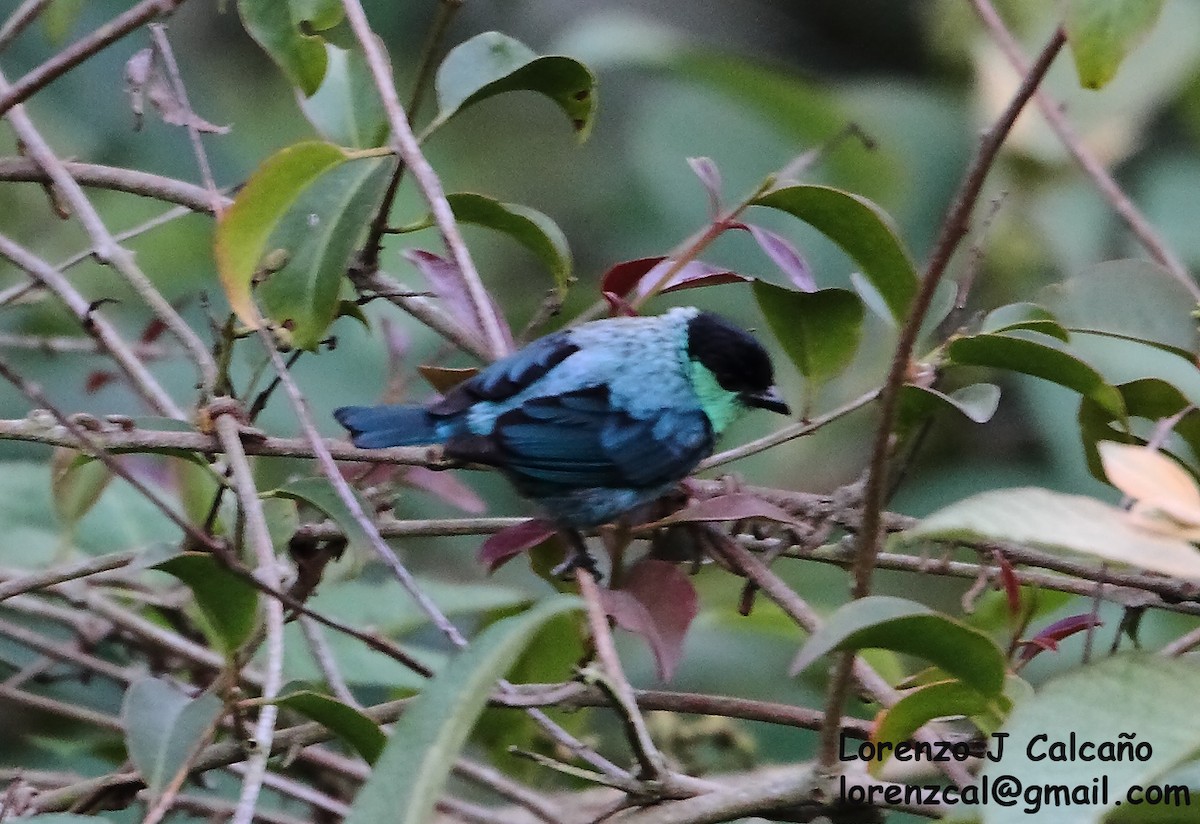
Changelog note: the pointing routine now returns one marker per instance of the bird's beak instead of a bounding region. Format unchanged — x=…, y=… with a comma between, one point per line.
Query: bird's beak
x=769, y=398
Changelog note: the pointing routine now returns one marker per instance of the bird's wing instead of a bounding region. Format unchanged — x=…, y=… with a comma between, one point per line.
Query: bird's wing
x=508, y=376
x=578, y=439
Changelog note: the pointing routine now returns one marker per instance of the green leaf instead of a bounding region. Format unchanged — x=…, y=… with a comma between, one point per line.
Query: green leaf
x=1054, y=521
x=409, y=776
x=1024, y=352
x=1150, y=398
x=346, y=109
x=862, y=229
x=492, y=63
x=386, y=606
x=820, y=331
x=163, y=727
x=65, y=818
x=918, y=707
x=906, y=626
x=319, y=493
x=228, y=605
x=76, y=483
x=321, y=231
x=1024, y=316
x=349, y=723
x=1153, y=308
x=243, y=230
x=1131, y=700
x=529, y=227
x=281, y=26
x=59, y=19
x=977, y=402
x=1103, y=32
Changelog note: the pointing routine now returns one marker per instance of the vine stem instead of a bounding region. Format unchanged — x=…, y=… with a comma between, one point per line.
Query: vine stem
x=954, y=229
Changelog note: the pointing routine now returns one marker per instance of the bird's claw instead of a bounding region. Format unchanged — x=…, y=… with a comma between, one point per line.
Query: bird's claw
x=578, y=559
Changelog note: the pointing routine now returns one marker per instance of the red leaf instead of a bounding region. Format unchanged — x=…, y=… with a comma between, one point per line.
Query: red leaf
x=1012, y=587
x=786, y=256
x=1048, y=638
x=445, y=486
x=622, y=278
x=153, y=331
x=446, y=281
x=98, y=380
x=658, y=602
x=510, y=542
x=639, y=276
x=737, y=506
x=710, y=176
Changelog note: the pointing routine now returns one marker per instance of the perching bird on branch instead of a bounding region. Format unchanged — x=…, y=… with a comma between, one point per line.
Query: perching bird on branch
x=593, y=421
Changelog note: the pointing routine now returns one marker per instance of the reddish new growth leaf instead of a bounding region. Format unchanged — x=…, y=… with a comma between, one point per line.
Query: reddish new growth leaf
x=98, y=380
x=658, y=602
x=710, y=176
x=510, y=542
x=638, y=277
x=1012, y=587
x=446, y=281
x=1048, y=638
x=736, y=506
x=786, y=256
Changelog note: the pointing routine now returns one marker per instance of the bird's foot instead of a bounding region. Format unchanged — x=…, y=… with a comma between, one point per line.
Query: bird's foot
x=578, y=557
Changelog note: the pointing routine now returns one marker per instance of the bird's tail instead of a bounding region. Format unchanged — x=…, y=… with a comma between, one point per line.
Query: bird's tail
x=374, y=427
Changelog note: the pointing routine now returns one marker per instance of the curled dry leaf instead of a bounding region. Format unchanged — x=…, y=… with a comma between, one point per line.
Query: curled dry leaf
x=1167, y=498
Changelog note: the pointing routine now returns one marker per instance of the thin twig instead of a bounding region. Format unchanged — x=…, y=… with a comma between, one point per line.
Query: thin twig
x=653, y=765
x=425, y=68
x=16, y=23
x=159, y=34
x=405, y=144
x=954, y=228
x=144, y=383
x=1055, y=115
x=82, y=49
x=134, y=182
x=97, y=451
x=105, y=247
x=787, y=433
x=242, y=478
x=56, y=575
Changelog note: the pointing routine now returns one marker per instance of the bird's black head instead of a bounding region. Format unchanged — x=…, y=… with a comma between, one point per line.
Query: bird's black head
x=736, y=360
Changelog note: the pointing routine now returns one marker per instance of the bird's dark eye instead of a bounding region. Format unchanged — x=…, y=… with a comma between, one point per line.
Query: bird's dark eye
x=735, y=358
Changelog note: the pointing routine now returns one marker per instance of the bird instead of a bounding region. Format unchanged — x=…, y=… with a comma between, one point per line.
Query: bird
x=593, y=421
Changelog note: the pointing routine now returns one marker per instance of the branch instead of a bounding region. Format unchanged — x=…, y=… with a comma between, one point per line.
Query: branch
x=954, y=228
x=82, y=49
x=105, y=247
x=25, y=14
x=1056, y=117
x=242, y=478
x=94, y=323
x=132, y=181
x=163, y=45
x=404, y=142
